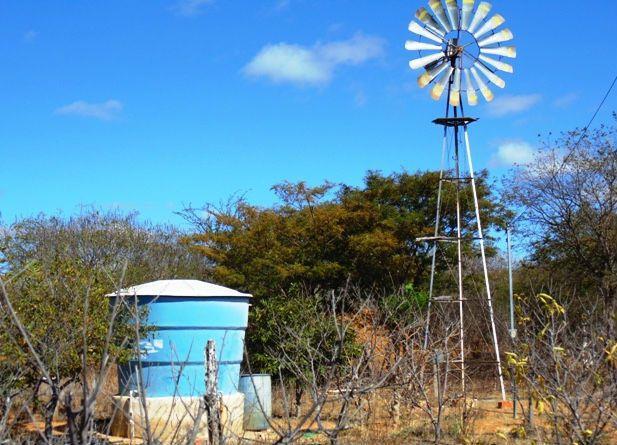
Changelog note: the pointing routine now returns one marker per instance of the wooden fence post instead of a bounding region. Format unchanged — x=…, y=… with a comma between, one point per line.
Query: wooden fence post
x=212, y=399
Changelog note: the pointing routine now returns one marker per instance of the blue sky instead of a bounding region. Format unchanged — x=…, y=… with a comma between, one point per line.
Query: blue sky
x=152, y=105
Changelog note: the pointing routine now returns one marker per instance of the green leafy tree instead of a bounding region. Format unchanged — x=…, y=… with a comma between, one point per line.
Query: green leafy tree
x=324, y=237
x=56, y=273
x=320, y=237
x=293, y=336
x=402, y=208
x=403, y=307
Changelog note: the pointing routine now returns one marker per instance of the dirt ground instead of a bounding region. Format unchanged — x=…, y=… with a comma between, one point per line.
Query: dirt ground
x=371, y=422
x=486, y=425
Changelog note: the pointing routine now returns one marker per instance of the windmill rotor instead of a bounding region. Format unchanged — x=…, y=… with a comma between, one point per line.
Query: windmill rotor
x=469, y=39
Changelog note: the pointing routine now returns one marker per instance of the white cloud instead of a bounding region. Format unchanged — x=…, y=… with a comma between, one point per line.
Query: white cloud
x=505, y=105
x=360, y=98
x=511, y=153
x=335, y=27
x=104, y=111
x=30, y=35
x=354, y=51
x=191, y=7
x=566, y=100
x=315, y=65
x=288, y=63
x=281, y=4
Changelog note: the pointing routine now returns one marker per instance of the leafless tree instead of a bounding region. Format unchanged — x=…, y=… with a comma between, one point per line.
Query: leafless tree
x=366, y=349
x=568, y=198
x=570, y=368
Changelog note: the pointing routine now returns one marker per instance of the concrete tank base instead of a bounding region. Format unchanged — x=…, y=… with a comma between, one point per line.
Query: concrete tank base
x=172, y=419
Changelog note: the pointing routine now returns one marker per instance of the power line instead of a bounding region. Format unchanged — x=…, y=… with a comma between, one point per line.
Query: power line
x=602, y=103
x=573, y=149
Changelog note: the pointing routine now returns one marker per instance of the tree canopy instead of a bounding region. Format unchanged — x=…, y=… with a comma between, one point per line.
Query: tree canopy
x=56, y=273
x=320, y=237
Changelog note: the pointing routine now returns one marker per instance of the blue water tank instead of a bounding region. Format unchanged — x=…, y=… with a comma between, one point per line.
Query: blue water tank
x=185, y=314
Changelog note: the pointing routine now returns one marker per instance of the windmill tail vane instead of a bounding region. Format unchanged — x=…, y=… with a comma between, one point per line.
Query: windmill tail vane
x=461, y=48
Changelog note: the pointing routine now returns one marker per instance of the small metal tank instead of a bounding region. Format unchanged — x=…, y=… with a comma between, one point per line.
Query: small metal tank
x=185, y=314
x=257, y=390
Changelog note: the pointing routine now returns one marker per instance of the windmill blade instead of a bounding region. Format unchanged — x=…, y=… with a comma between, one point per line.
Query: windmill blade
x=502, y=66
x=425, y=17
x=472, y=97
x=423, y=61
x=484, y=89
x=455, y=91
x=467, y=11
x=452, y=7
x=437, y=8
x=417, y=29
x=481, y=13
x=410, y=45
x=494, y=78
x=429, y=75
x=505, y=51
x=440, y=86
x=494, y=22
x=501, y=36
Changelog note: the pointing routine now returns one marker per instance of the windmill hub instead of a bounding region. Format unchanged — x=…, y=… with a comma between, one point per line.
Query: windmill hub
x=462, y=49
x=454, y=50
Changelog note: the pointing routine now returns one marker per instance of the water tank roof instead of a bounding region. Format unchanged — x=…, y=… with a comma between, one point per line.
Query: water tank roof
x=179, y=288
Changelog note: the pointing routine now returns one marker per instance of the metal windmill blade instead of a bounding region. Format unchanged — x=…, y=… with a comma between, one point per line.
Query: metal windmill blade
x=460, y=48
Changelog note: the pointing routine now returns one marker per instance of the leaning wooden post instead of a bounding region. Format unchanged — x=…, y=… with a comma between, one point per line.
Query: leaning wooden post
x=211, y=397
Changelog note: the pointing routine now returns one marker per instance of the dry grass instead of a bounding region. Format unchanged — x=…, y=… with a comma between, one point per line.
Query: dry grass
x=486, y=425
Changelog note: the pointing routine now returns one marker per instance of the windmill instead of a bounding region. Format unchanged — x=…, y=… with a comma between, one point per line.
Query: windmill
x=461, y=50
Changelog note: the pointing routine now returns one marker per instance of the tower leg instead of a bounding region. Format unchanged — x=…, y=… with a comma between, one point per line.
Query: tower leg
x=459, y=234
x=434, y=253
x=484, y=265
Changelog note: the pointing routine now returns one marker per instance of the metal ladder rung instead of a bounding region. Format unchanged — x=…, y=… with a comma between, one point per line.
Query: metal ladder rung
x=456, y=300
x=454, y=179
x=446, y=239
x=447, y=299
